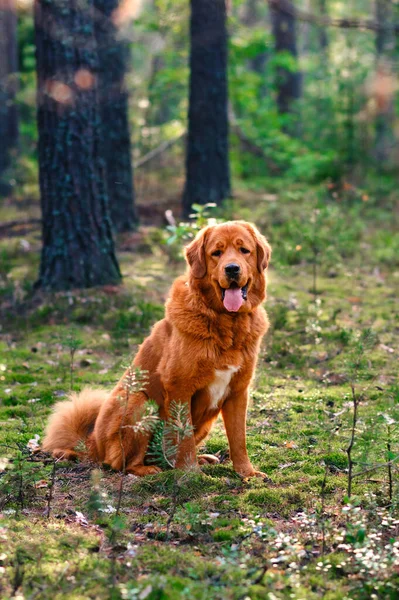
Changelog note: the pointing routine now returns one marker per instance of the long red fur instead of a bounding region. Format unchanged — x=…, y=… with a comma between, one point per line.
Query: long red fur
x=197, y=337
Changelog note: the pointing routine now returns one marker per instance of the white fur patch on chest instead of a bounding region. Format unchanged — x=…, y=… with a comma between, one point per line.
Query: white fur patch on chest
x=219, y=387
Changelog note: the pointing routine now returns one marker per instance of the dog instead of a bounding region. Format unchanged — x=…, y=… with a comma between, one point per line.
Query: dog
x=202, y=354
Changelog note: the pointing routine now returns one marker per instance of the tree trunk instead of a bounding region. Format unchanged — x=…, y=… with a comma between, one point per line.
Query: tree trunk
x=207, y=161
x=78, y=249
x=8, y=86
x=322, y=30
x=384, y=83
x=288, y=80
x=113, y=56
x=252, y=17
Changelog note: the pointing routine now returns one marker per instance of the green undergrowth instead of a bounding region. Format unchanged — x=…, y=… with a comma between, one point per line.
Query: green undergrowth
x=295, y=533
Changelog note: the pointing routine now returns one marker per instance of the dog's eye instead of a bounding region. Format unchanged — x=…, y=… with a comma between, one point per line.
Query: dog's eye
x=217, y=253
x=244, y=251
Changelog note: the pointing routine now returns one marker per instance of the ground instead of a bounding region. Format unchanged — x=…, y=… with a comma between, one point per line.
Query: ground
x=330, y=355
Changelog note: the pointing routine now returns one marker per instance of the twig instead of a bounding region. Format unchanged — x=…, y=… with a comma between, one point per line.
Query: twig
x=71, y=367
x=355, y=401
x=323, y=509
x=296, y=332
x=17, y=223
x=376, y=467
x=260, y=576
x=157, y=151
x=390, y=484
x=50, y=494
x=286, y=7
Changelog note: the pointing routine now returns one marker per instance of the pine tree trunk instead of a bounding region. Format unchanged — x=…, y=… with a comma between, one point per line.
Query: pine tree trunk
x=8, y=87
x=384, y=84
x=113, y=54
x=284, y=31
x=207, y=161
x=78, y=249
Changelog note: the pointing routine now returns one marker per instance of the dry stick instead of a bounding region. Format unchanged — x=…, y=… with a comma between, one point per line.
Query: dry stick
x=352, y=439
x=18, y=222
x=51, y=488
x=71, y=365
x=120, y=492
x=390, y=485
x=323, y=508
x=21, y=496
x=315, y=276
x=157, y=151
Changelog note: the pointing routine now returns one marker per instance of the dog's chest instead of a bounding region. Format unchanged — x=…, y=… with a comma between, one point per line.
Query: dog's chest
x=219, y=387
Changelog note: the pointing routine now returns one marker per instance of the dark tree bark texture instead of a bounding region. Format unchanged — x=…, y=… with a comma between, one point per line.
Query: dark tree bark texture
x=113, y=55
x=78, y=249
x=284, y=31
x=8, y=86
x=207, y=161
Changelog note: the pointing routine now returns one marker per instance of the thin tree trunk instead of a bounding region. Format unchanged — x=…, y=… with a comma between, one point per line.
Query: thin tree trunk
x=323, y=36
x=207, y=161
x=8, y=86
x=113, y=56
x=252, y=18
x=384, y=83
x=78, y=249
x=284, y=32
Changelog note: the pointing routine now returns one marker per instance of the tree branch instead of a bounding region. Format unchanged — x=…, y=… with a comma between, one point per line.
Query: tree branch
x=287, y=7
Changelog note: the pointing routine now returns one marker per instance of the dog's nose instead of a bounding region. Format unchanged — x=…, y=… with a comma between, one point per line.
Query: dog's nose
x=232, y=270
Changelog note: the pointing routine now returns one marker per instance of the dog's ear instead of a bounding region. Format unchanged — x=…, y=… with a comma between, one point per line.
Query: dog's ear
x=195, y=255
x=263, y=248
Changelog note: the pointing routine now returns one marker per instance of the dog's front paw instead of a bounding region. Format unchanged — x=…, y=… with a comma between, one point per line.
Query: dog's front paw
x=257, y=474
x=251, y=472
x=143, y=470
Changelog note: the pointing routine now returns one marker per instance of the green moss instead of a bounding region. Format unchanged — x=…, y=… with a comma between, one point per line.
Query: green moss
x=189, y=533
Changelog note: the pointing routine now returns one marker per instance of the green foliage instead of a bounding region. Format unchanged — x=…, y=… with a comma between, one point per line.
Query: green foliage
x=168, y=435
x=183, y=232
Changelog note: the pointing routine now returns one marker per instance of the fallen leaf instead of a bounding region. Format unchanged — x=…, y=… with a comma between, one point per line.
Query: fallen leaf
x=41, y=484
x=354, y=300
x=291, y=445
x=145, y=592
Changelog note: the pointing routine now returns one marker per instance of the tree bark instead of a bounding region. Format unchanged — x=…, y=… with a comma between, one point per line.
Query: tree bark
x=288, y=82
x=78, y=249
x=113, y=58
x=207, y=161
x=384, y=83
x=8, y=86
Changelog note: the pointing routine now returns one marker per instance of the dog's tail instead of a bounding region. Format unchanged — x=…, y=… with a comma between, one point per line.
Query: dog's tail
x=72, y=422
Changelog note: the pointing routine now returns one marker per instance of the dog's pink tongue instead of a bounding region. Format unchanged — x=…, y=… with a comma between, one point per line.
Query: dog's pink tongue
x=233, y=299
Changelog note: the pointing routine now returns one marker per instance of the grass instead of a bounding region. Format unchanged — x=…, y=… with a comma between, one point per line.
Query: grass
x=212, y=534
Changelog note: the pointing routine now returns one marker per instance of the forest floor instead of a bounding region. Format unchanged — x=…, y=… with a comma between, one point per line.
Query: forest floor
x=331, y=354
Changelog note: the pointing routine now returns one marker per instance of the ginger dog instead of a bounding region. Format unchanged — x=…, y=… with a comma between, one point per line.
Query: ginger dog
x=203, y=354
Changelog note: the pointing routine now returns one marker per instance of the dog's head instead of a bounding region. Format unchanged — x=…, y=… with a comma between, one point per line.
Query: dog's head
x=227, y=264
